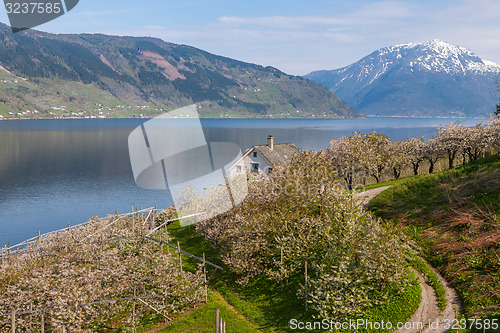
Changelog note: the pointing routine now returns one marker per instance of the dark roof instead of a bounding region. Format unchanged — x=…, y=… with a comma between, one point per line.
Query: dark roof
x=281, y=152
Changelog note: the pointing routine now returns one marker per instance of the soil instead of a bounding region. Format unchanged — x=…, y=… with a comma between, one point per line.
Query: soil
x=365, y=197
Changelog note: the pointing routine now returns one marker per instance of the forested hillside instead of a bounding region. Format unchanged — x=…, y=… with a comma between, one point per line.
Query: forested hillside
x=62, y=74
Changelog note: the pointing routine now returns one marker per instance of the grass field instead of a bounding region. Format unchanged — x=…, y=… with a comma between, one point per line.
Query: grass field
x=203, y=318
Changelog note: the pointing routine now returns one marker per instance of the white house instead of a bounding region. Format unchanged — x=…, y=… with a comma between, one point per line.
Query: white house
x=260, y=158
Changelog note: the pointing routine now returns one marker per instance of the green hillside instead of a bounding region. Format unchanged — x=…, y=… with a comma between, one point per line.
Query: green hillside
x=99, y=75
x=455, y=216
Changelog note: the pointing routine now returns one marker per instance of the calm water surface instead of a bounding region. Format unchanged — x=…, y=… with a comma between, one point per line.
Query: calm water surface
x=57, y=171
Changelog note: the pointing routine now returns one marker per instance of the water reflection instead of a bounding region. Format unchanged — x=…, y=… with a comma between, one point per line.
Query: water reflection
x=57, y=171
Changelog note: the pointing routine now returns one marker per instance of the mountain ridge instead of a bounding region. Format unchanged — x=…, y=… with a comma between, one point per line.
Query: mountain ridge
x=431, y=78
x=99, y=75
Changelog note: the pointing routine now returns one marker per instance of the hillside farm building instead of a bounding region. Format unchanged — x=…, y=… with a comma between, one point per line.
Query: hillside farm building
x=259, y=159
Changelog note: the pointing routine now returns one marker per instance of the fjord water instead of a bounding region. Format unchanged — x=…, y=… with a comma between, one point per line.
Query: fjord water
x=57, y=171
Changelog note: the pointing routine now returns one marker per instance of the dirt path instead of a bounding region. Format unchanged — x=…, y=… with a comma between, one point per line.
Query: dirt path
x=428, y=318
x=427, y=310
x=366, y=196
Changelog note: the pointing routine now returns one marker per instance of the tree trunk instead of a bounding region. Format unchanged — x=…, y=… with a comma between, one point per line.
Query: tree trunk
x=397, y=172
x=348, y=180
x=478, y=154
x=431, y=166
x=451, y=159
x=415, y=168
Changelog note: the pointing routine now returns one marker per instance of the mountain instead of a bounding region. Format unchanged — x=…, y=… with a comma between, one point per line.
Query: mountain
x=418, y=79
x=66, y=75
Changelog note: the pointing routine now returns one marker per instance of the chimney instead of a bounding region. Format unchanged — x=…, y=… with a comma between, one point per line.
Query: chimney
x=270, y=142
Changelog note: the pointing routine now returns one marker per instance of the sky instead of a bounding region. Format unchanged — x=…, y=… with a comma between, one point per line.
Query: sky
x=295, y=36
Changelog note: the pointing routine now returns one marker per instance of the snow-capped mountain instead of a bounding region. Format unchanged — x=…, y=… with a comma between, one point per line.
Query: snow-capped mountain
x=417, y=79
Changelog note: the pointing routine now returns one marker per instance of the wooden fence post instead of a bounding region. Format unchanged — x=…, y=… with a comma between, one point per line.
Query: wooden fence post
x=180, y=258
x=38, y=240
x=31, y=315
x=153, y=221
x=133, y=312
x=306, y=283
x=13, y=321
x=42, y=327
x=149, y=216
x=281, y=262
x=166, y=237
x=142, y=227
x=217, y=320
x=205, y=278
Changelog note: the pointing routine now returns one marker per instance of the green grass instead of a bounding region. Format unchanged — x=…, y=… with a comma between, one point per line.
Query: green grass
x=381, y=184
x=454, y=216
x=400, y=307
x=431, y=280
x=203, y=319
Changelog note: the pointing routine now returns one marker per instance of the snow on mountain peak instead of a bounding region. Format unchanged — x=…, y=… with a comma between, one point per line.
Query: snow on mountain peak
x=491, y=64
x=426, y=78
x=435, y=55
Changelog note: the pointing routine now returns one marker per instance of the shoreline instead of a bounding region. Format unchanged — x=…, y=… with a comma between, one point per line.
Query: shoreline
x=270, y=118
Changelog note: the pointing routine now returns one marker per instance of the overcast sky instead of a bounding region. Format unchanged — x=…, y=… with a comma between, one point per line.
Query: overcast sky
x=296, y=36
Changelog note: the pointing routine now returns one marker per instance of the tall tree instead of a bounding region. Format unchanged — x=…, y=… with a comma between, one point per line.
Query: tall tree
x=451, y=140
x=432, y=152
x=398, y=156
x=377, y=153
x=346, y=156
x=475, y=141
x=415, y=150
x=492, y=134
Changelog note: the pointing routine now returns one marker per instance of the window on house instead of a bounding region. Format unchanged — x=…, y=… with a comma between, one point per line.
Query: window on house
x=254, y=154
x=254, y=167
